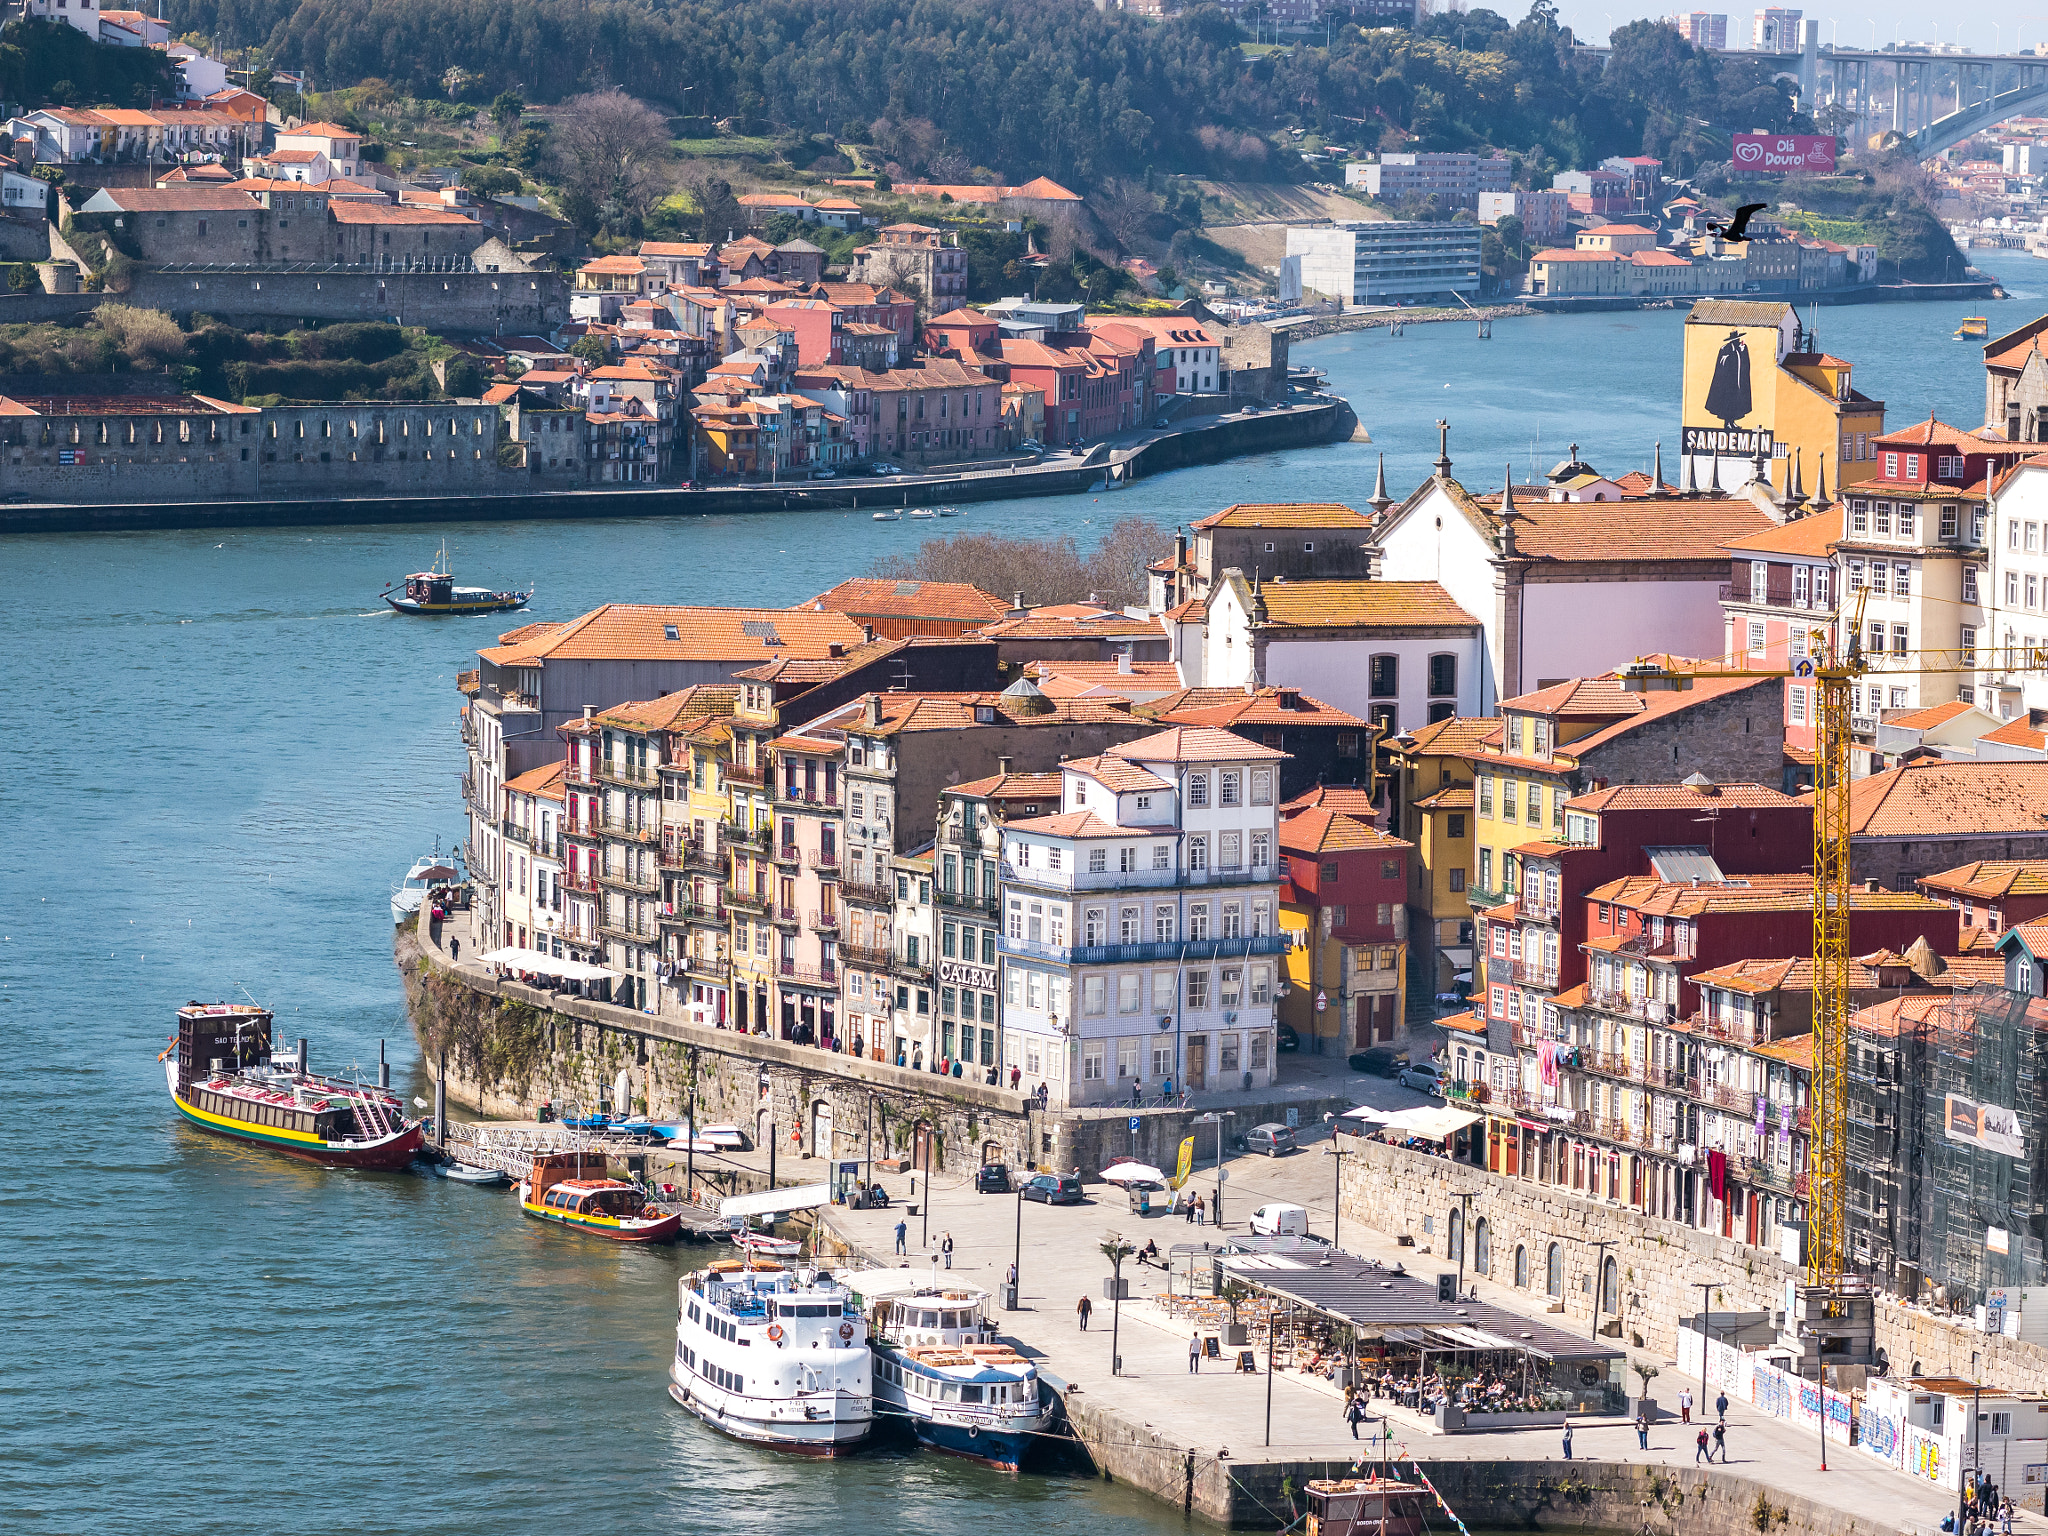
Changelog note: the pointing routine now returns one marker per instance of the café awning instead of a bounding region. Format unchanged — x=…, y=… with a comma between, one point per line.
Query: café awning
x=538, y=964
x=1436, y=1122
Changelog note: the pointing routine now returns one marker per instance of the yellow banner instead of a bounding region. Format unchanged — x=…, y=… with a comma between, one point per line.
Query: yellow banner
x=1187, y=1162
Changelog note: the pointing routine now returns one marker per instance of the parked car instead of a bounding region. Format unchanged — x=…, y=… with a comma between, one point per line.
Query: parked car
x=1280, y=1220
x=1054, y=1189
x=992, y=1179
x=1424, y=1077
x=1288, y=1040
x=824, y=474
x=1380, y=1061
x=1271, y=1139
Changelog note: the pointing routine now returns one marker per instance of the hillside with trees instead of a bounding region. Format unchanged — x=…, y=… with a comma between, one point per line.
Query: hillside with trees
x=955, y=90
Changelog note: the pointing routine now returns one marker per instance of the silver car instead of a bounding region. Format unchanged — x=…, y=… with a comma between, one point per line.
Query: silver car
x=1271, y=1139
x=1423, y=1077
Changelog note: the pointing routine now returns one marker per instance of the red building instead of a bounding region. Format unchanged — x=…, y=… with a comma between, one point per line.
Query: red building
x=1343, y=886
x=1781, y=588
x=1993, y=894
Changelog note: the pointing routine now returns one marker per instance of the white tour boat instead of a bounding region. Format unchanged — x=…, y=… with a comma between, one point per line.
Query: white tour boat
x=938, y=1363
x=774, y=1357
x=410, y=894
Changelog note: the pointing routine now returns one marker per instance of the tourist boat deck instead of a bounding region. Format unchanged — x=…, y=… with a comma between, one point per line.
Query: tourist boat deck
x=773, y=1357
x=1365, y=1506
x=567, y=1189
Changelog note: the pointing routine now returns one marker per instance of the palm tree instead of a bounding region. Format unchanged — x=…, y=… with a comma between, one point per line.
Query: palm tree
x=1116, y=1250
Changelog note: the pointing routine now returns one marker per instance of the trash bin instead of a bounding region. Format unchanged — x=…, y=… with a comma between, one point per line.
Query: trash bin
x=1009, y=1298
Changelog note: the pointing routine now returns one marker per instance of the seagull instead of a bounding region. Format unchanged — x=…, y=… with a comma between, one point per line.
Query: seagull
x=1737, y=228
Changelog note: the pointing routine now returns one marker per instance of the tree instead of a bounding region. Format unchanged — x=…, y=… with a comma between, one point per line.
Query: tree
x=611, y=153
x=719, y=214
x=490, y=180
x=148, y=338
x=1117, y=570
x=506, y=108
x=591, y=349
x=1116, y=1249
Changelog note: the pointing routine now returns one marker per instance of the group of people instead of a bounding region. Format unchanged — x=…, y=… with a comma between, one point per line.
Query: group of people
x=1195, y=1209
x=1983, y=1508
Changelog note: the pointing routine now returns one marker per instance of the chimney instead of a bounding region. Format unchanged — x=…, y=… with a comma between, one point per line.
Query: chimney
x=874, y=709
x=1017, y=608
x=1123, y=662
x=1003, y=766
x=867, y=634
x=586, y=714
x=834, y=650
x=1872, y=887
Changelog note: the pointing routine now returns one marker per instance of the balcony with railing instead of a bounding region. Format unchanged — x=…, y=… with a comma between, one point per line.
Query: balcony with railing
x=515, y=833
x=741, y=900
x=913, y=970
x=962, y=902
x=1179, y=950
x=631, y=775
x=785, y=917
x=612, y=930
x=868, y=894
x=1749, y=1031
x=825, y=922
x=548, y=847
x=791, y=855
x=709, y=913
x=807, y=975
x=584, y=883
x=1531, y=973
x=621, y=880
x=825, y=861
x=708, y=967
x=644, y=833
x=1649, y=1009
x=752, y=775
x=798, y=794
x=738, y=836
x=578, y=828
x=871, y=957
x=706, y=857
x=1777, y=593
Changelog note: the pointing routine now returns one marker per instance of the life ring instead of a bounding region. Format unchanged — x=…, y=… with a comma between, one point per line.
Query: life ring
x=974, y=1431
x=846, y=1330
x=775, y=1332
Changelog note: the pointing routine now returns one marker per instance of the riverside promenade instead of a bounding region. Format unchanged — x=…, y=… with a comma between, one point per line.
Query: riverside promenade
x=1203, y=1441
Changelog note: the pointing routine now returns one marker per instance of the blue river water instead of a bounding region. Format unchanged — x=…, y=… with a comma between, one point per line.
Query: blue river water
x=225, y=752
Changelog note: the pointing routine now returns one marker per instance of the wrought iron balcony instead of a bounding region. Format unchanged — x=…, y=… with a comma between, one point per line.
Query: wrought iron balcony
x=876, y=894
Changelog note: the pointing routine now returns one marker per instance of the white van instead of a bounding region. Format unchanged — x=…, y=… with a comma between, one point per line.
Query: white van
x=1280, y=1221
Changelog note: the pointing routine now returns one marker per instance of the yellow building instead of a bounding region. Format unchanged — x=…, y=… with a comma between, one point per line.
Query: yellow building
x=1433, y=769
x=1755, y=382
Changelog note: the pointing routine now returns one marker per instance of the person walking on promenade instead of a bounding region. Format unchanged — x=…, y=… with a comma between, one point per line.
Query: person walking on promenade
x=1720, y=1444
x=2005, y=1517
x=1642, y=1432
x=902, y=1235
x=1081, y=1310
x=1355, y=1412
x=1721, y=1406
x=1201, y=1211
x=1685, y=1405
x=946, y=1247
x=1567, y=1439
x=1701, y=1451
x=1195, y=1353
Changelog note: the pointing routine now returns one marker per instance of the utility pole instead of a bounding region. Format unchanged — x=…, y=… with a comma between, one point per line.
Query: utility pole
x=926, y=1208
x=1706, y=1288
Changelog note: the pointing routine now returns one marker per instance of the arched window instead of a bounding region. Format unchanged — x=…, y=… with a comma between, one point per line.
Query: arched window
x=1610, y=1287
x=1521, y=1267
x=1454, y=1245
x=1482, y=1246
x=1553, y=1272
x=1383, y=676
x=1443, y=675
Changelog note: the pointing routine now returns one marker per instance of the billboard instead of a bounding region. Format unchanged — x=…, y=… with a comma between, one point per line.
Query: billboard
x=1786, y=154
x=1990, y=1126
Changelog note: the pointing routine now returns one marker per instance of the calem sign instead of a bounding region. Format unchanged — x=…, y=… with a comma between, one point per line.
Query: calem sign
x=1785, y=154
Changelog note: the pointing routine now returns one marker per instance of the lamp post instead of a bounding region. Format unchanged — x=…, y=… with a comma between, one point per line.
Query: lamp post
x=1017, y=1257
x=1116, y=1250
x=1337, y=1155
x=925, y=1236
x=1706, y=1288
x=1216, y=1117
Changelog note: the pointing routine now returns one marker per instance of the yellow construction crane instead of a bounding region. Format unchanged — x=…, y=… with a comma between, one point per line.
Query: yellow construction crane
x=1834, y=666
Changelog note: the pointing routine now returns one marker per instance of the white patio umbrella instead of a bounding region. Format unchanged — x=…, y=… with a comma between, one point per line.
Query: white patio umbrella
x=1133, y=1173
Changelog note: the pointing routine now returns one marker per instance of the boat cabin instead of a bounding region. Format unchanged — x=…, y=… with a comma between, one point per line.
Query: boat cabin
x=594, y=1197
x=936, y=1318
x=220, y=1037
x=430, y=587
x=1364, y=1506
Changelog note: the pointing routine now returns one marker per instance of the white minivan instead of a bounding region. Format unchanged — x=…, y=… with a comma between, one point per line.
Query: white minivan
x=1280, y=1221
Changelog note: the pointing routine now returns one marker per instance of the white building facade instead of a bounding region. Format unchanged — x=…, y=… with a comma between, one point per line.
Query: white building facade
x=1140, y=937
x=532, y=898
x=2016, y=621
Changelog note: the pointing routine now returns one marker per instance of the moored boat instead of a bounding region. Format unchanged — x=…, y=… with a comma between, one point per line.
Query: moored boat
x=888, y=517
x=939, y=1365
x=1976, y=328
x=1365, y=1506
x=410, y=894
x=569, y=1189
x=224, y=1080
x=773, y=1357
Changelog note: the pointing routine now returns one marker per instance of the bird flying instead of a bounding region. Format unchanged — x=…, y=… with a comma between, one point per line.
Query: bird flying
x=1737, y=228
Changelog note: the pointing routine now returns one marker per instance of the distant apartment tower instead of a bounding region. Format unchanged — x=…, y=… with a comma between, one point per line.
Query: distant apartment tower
x=1775, y=31
x=1455, y=180
x=1543, y=214
x=1373, y=263
x=1703, y=29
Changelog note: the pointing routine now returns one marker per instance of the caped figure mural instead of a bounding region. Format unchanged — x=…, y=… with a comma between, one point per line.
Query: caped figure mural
x=1728, y=395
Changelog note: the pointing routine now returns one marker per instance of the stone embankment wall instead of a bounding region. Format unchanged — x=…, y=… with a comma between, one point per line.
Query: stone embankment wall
x=1661, y=1263
x=1334, y=325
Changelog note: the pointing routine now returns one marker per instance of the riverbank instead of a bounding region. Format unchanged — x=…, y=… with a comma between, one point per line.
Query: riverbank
x=1128, y=456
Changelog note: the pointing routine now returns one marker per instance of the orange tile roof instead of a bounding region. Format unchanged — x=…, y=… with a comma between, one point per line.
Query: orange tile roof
x=1745, y=893
x=810, y=671
x=903, y=713
x=1080, y=824
x=1931, y=433
x=1046, y=624
x=1604, y=698
x=1937, y=798
x=1658, y=530
x=186, y=199
x=1457, y=799
x=320, y=130
x=1287, y=514
x=1234, y=708
x=1661, y=797
x=1927, y=719
x=1448, y=738
x=951, y=601
x=1813, y=536
x=676, y=711
x=1011, y=786
x=1466, y=1023
x=637, y=632
x=1992, y=879
x=1363, y=604
x=1352, y=799
x=1112, y=773
x=1324, y=830
x=1194, y=744
x=544, y=781
x=350, y=211
x=2019, y=733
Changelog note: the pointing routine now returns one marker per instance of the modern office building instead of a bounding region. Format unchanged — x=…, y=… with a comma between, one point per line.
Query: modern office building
x=1456, y=181
x=1379, y=263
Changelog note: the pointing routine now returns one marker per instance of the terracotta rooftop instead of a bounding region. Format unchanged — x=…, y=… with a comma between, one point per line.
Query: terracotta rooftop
x=1931, y=433
x=1655, y=529
x=1812, y=536
x=673, y=711
x=1324, y=830
x=1233, y=708
x=1745, y=893
x=1992, y=879
x=1074, y=623
x=1115, y=774
x=1353, y=800
x=2019, y=733
x=544, y=781
x=1011, y=786
x=1287, y=514
x=1950, y=799
x=349, y=211
x=1449, y=738
x=1362, y=604
x=949, y=601
x=1194, y=744
x=1927, y=719
x=907, y=712
x=1081, y=824
x=650, y=632
x=1603, y=698
x=1642, y=797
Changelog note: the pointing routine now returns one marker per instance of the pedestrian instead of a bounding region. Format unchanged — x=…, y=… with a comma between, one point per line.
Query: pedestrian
x=1567, y=1439
x=1721, y=1406
x=1137, y=1094
x=946, y=1248
x=1010, y=1276
x=455, y=949
x=1195, y=1353
x=1016, y=1073
x=1685, y=1405
x=1642, y=1432
x=1700, y=1450
x=1201, y=1211
x=1721, y=1443
x=902, y=1235
x=1081, y=1310
x=1355, y=1412
x=2005, y=1517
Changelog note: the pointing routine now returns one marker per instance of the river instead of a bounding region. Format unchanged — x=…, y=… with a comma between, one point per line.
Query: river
x=223, y=754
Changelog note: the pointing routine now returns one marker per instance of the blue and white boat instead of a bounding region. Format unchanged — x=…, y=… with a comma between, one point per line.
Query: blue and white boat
x=939, y=1365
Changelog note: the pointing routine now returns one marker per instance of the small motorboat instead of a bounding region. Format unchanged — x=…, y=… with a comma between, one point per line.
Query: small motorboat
x=434, y=592
x=1976, y=328
x=410, y=894
x=888, y=517
x=556, y=1192
x=469, y=1173
x=921, y=514
x=949, y=511
x=762, y=1245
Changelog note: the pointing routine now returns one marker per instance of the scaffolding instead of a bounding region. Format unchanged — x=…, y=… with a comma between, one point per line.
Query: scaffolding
x=1886, y=1060
x=1984, y=1048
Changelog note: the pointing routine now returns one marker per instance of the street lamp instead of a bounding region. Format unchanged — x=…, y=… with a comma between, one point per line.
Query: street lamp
x=1706, y=1288
x=1216, y=1118
x=926, y=1209
x=1017, y=1258
x=1338, y=1154
x=1116, y=1250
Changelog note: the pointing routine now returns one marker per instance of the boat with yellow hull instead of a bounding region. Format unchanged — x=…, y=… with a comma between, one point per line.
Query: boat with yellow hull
x=225, y=1080
x=1976, y=328
x=558, y=1192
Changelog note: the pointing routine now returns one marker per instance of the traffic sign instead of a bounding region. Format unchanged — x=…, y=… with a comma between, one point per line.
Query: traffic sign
x=1134, y=1122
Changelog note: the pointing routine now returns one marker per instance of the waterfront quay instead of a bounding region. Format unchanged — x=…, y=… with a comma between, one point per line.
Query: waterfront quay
x=1230, y=1446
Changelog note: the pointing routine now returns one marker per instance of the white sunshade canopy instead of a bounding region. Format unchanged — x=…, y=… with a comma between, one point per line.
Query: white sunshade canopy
x=547, y=965
x=1133, y=1173
x=797, y=1197
x=1434, y=1123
